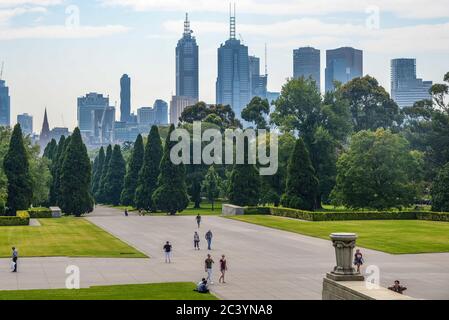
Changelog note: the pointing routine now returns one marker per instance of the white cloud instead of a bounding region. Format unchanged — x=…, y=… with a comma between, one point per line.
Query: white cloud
x=61, y=32
x=296, y=32
x=402, y=8
x=42, y=3
x=7, y=14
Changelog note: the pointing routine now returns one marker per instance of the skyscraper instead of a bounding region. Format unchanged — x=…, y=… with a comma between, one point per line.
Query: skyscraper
x=125, y=98
x=406, y=88
x=233, y=83
x=306, y=63
x=161, y=111
x=187, y=66
x=258, y=81
x=343, y=65
x=5, y=105
x=26, y=123
x=177, y=106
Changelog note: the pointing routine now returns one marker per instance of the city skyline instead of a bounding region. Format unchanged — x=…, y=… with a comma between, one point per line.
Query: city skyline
x=147, y=34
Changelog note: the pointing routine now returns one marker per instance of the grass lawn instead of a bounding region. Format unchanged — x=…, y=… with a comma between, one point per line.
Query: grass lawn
x=156, y=291
x=67, y=236
x=204, y=210
x=392, y=236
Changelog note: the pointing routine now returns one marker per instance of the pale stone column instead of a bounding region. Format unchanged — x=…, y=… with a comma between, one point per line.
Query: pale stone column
x=344, y=244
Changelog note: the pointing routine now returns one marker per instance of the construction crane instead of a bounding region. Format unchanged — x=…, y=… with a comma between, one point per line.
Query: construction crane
x=1, y=70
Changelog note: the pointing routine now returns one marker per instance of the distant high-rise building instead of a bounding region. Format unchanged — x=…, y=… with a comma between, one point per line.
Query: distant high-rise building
x=258, y=81
x=187, y=65
x=57, y=132
x=307, y=63
x=5, y=105
x=161, y=110
x=26, y=123
x=44, y=137
x=96, y=118
x=146, y=116
x=125, y=98
x=233, y=85
x=406, y=88
x=343, y=65
x=177, y=106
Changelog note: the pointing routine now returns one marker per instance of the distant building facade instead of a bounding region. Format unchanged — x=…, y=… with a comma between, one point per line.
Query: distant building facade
x=57, y=132
x=343, y=65
x=158, y=114
x=233, y=85
x=125, y=98
x=406, y=88
x=5, y=105
x=177, y=106
x=187, y=64
x=307, y=63
x=258, y=82
x=96, y=118
x=26, y=123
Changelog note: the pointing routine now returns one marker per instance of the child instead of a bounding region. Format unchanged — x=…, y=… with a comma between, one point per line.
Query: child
x=358, y=259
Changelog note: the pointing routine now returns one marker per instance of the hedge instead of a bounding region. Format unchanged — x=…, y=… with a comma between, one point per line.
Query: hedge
x=349, y=215
x=40, y=213
x=22, y=218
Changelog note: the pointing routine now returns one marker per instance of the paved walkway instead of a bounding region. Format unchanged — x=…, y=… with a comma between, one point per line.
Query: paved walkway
x=263, y=263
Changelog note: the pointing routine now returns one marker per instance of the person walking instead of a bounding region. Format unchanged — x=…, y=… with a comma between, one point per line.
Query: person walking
x=223, y=268
x=198, y=220
x=196, y=241
x=167, y=250
x=15, y=257
x=126, y=212
x=208, y=268
x=209, y=239
x=358, y=259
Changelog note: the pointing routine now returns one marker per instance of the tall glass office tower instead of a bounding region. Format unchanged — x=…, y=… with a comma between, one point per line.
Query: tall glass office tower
x=5, y=105
x=306, y=63
x=343, y=65
x=406, y=88
x=125, y=98
x=233, y=85
x=187, y=66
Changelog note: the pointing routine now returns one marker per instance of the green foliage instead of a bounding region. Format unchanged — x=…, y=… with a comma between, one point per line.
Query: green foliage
x=51, y=149
x=221, y=115
x=256, y=112
x=75, y=179
x=115, y=177
x=171, y=193
x=100, y=195
x=302, y=185
x=17, y=171
x=195, y=193
x=440, y=190
x=149, y=173
x=96, y=176
x=22, y=218
x=244, y=185
x=376, y=172
x=433, y=216
x=56, y=168
x=371, y=106
x=132, y=174
x=40, y=213
x=211, y=185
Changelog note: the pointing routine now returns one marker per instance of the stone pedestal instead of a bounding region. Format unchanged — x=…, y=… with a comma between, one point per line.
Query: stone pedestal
x=55, y=212
x=231, y=210
x=344, y=244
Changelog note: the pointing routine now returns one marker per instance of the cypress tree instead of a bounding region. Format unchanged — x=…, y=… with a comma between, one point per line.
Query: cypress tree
x=171, y=194
x=115, y=177
x=16, y=166
x=195, y=192
x=75, y=178
x=440, y=190
x=132, y=174
x=302, y=184
x=100, y=195
x=211, y=185
x=244, y=186
x=50, y=150
x=97, y=172
x=148, y=175
x=56, y=169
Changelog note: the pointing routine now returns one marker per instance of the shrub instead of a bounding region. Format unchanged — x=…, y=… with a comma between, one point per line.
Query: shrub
x=40, y=213
x=257, y=210
x=433, y=216
x=22, y=218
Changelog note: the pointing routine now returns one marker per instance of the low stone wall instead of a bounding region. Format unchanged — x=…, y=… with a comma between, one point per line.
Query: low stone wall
x=357, y=290
x=232, y=210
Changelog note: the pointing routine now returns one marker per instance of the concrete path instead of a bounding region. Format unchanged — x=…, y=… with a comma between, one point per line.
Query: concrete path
x=263, y=263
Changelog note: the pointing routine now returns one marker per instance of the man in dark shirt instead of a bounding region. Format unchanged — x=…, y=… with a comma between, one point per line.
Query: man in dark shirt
x=198, y=220
x=208, y=268
x=15, y=257
x=167, y=250
x=397, y=287
x=209, y=239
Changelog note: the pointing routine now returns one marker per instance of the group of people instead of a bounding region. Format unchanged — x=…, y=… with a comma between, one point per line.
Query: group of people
x=358, y=262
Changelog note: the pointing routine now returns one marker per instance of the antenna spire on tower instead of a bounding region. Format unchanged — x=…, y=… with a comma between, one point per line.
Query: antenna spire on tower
x=231, y=22
x=187, y=30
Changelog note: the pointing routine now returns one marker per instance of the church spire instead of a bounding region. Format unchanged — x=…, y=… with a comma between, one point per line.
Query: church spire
x=44, y=137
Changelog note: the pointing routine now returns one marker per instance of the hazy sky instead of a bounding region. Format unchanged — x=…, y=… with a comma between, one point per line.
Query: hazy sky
x=57, y=50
